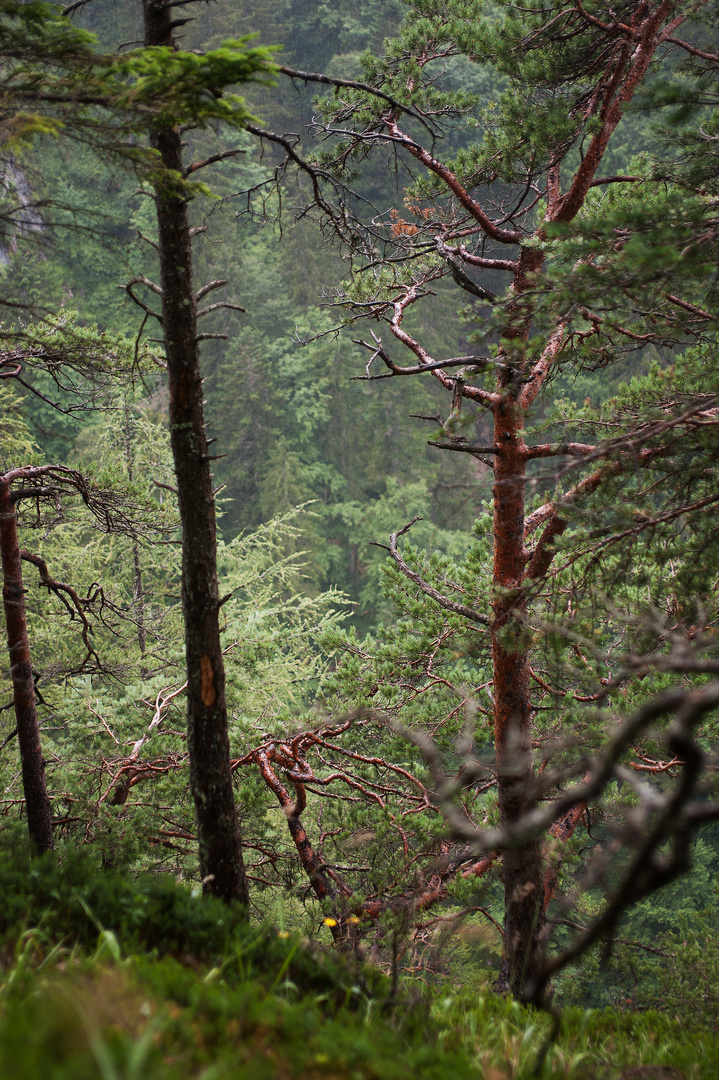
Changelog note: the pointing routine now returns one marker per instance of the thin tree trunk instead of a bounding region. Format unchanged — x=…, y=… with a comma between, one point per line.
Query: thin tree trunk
x=37, y=803
x=221, y=863
x=139, y=599
x=138, y=592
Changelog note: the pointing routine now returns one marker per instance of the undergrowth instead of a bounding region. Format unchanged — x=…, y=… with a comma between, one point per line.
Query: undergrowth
x=106, y=977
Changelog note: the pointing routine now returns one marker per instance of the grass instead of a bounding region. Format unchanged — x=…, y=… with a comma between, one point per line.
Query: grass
x=103, y=977
x=507, y=1040
x=103, y=1017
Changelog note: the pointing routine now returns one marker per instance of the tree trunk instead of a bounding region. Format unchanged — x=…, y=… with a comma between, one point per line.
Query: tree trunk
x=622, y=55
x=521, y=866
x=138, y=592
x=37, y=803
x=221, y=863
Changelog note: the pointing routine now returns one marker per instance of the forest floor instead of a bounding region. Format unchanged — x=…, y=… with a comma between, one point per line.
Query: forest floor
x=105, y=977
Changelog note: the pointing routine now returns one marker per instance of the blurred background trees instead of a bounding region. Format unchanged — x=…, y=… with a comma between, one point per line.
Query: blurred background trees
x=624, y=610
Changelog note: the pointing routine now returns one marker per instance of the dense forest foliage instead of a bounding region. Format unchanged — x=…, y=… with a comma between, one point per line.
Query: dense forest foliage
x=480, y=754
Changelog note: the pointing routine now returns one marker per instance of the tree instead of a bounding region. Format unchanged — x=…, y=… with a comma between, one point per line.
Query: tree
x=588, y=274
x=108, y=101
x=42, y=485
x=566, y=277
x=38, y=483
x=221, y=864
x=37, y=803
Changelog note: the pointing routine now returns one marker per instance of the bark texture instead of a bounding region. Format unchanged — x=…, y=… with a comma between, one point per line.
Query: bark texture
x=221, y=863
x=37, y=802
x=521, y=867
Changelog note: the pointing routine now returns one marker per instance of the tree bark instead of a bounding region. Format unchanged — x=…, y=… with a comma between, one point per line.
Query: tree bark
x=37, y=802
x=521, y=866
x=138, y=589
x=221, y=863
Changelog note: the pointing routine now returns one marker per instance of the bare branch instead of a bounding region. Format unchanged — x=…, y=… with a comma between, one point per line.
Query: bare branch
x=211, y=161
x=503, y=236
x=543, y=450
x=429, y=590
x=216, y=284
x=216, y=307
x=75, y=605
x=353, y=84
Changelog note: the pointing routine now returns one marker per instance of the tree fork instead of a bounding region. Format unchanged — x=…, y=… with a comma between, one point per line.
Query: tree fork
x=221, y=863
x=37, y=802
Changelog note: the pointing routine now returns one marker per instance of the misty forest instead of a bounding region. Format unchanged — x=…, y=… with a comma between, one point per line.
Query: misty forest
x=348, y=729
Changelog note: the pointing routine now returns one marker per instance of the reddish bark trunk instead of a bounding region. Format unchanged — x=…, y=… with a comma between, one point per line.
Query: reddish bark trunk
x=327, y=886
x=221, y=863
x=322, y=885
x=627, y=51
x=37, y=803
x=522, y=866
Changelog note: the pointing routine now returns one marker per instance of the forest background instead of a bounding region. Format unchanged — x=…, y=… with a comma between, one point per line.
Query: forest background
x=293, y=428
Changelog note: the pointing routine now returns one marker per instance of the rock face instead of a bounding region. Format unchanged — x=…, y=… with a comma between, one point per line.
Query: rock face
x=19, y=210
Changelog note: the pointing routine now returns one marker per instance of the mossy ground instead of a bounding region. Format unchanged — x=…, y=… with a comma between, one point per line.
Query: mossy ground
x=103, y=977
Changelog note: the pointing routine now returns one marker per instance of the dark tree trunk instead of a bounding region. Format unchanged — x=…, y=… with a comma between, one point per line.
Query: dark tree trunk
x=221, y=863
x=37, y=803
x=138, y=589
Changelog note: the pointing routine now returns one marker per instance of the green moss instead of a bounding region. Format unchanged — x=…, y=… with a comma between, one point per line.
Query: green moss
x=112, y=977
x=108, y=977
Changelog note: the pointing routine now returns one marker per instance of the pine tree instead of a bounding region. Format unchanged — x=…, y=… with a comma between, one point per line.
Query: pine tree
x=560, y=273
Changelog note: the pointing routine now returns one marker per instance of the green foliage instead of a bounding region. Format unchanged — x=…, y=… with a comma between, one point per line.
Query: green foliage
x=273, y=629
x=183, y=88
x=226, y=995
x=105, y=977
x=296, y=430
x=687, y=983
x=105, y=100
x=94, y=705
x=606, y=1044
x=286, y=440
x=665, y=955
x=156, y=1019
x=72, y=902
x=16, y=443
